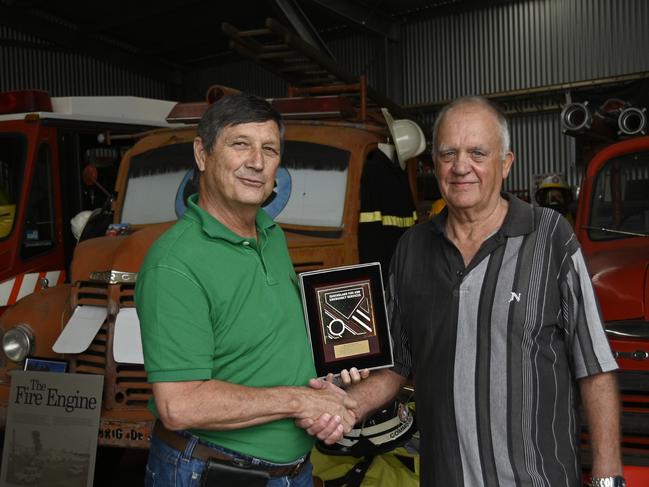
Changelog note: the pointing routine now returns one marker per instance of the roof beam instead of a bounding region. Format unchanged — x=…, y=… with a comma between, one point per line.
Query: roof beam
x=360, y=16
x=302, y=25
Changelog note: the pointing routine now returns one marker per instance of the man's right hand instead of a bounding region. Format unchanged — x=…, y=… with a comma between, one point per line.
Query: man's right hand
x=324, y=399
x=368, y=394
x=330, y=427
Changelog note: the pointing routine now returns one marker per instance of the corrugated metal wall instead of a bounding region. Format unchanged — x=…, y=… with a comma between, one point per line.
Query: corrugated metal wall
x=243, y=75
x=526, y=45
x=517, y=46
x=540, y=148
x=523, y=45
x=28, y=63
x=362, y=54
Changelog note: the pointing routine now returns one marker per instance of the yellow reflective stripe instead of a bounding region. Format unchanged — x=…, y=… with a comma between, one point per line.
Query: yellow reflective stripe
x=370, y=216
x=388, y=220
x=398, y=221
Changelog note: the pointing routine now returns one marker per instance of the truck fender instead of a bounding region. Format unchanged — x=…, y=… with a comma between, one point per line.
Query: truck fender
x=45, y=313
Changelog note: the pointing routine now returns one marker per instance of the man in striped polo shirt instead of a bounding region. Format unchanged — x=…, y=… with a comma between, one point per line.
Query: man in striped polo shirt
x=494, y=317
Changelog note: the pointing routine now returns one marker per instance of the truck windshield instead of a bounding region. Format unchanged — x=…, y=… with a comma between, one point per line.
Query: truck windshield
x=12, y=163
x=621, y=199
x=310, y=185
x=153, y=181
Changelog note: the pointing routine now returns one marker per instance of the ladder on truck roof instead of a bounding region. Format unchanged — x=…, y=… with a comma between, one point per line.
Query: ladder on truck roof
x=307, y=70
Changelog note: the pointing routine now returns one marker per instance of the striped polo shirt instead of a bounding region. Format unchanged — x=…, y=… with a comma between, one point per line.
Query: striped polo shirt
x=495, y=347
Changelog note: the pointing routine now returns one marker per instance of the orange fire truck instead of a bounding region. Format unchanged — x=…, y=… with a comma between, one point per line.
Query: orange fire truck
x=45, y=144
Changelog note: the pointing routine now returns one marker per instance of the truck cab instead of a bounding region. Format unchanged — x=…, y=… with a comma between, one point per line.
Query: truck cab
x=91, y=323
x=45, y=144
x=612, y=225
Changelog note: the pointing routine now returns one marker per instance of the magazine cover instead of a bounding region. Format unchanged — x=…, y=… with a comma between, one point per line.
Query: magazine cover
x=51, y=431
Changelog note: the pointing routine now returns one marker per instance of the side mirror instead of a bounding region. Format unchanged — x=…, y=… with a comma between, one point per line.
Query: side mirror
x=90, y=177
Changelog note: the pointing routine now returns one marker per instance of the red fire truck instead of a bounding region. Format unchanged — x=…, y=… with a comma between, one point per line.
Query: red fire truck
x=45, y=144
x=612, y=225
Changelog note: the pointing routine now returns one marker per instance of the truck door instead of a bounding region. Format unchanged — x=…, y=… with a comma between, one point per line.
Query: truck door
x=38, y=237
x=13, y=153
x=30, y=234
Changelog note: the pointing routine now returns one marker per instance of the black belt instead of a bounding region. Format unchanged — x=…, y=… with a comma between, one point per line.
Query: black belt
x=204, y=453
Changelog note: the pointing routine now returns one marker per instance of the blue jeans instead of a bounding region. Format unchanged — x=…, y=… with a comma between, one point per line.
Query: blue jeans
x=167, y=467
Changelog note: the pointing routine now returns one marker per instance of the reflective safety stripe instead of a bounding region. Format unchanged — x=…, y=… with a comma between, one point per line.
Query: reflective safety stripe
x=23, y=285
x=370, y=216
x=5, y=290
x=16, y=288
x=388, y=220
x=28, y=286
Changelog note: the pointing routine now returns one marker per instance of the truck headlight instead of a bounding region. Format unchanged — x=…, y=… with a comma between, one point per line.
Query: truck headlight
x=17, y=343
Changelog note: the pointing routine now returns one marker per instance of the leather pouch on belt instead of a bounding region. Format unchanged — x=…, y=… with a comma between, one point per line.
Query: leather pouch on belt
x=219, y=473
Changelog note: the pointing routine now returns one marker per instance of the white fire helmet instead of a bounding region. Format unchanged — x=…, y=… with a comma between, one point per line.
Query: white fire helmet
x=78, y=222
x=388, y=428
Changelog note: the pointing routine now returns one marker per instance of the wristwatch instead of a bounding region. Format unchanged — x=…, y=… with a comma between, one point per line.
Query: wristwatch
x=617, y=481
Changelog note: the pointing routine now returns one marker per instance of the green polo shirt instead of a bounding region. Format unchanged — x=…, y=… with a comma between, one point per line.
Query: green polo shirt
x=214, y=305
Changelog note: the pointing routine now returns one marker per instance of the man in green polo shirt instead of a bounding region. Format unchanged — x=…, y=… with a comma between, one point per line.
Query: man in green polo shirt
x=223, y=331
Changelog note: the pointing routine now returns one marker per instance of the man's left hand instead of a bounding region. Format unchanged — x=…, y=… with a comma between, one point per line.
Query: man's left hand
x=348, y=378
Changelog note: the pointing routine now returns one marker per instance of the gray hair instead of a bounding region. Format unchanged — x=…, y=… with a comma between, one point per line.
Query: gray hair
x=505, y=135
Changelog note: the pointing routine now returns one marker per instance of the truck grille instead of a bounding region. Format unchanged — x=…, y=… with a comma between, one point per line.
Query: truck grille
x=93, y=360
x=127, y=296
x=90, y=293
x=634, y=389
x=125, y=385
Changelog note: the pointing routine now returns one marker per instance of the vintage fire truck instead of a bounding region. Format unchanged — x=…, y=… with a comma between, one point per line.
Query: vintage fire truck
x=91, y=322
x=612, y=224
x=45, y=144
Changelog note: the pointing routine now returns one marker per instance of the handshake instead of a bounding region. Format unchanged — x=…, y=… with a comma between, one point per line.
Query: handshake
x=328, y=411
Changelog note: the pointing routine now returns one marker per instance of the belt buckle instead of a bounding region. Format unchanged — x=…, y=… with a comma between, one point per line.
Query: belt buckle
x=240, y=462
x=295, y=469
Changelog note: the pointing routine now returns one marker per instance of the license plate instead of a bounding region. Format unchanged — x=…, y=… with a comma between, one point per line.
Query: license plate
x=126, y=435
